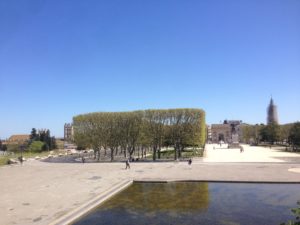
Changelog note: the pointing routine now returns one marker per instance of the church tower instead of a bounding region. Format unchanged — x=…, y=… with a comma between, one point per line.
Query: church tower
x=272, y=113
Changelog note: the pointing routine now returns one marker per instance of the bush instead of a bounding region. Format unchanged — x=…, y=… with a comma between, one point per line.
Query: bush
x=36, y=146
x=13, y=148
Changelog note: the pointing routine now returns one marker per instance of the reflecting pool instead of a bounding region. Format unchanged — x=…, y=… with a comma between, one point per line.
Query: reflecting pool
x=198, y=203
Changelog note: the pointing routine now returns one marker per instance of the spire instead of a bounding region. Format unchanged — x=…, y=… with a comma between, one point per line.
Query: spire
x=271, y=101
x=272, y=116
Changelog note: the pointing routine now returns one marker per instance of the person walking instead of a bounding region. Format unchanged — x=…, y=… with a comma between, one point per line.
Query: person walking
x=241, y=149
x=127, y=164
x=190, y=163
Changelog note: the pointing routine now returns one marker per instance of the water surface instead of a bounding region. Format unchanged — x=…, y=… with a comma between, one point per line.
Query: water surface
x=198, y=203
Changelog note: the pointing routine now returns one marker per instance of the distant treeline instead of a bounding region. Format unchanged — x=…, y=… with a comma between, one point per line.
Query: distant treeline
x=288, y=134
x=126, y=132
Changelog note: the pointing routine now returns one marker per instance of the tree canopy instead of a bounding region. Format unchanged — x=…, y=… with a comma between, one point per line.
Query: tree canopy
x=294, y=135
x=139, y=129
x=44, y=136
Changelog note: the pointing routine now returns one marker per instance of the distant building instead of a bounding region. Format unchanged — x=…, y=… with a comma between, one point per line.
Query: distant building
x=229, y=132
x=18, y=139
x=272, y=116
x=68, y=132
x=208, y=133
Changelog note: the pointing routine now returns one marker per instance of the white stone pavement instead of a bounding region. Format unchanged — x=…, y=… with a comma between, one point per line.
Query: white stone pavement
x=217, y=153
x=43, y=193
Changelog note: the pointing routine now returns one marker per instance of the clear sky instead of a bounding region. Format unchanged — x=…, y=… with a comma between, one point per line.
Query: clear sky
x=61, y=58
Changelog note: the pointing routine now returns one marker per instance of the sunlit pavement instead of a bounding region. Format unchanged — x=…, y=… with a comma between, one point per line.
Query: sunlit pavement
x=220, y=153
x=40, y=193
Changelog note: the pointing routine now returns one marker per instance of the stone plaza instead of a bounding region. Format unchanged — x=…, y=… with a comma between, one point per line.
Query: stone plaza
x=54, y=193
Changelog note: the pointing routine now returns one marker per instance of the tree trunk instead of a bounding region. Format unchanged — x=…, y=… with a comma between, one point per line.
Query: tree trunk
x=154, y=153
x=98, y=155
x=112, y=154
x=176, y=149
x=180, y=151
x=125, y=152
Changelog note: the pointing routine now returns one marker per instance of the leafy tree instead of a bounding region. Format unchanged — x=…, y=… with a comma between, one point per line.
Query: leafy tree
x=294, y=135
x=36, y=146
x=44, y=136
x=270, y=133
x=285, y=132
x=139, y=130
x=3, y=147
x=296, y=212
x=34, y=135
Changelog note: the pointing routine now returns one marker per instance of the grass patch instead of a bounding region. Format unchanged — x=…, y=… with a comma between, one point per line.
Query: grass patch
x=26, y=155
x=188, y=153
x=3, y=160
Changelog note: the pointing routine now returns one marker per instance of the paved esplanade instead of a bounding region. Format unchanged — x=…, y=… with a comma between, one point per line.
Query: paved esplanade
x=41, y=193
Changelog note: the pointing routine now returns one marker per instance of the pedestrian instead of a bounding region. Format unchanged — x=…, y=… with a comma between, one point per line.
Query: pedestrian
x=21, y=159
x=127, y=164
x=82, y=159
x=190, y=161
x=241, y=149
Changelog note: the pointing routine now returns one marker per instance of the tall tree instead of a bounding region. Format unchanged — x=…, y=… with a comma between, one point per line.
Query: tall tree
x=270, y=133
x=294, y=135
x=34, y=135
x=132, y=131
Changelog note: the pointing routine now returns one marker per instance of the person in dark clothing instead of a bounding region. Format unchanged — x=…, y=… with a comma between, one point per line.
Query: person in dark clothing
x=21, y=159
x=127, y=164
x=190, y=162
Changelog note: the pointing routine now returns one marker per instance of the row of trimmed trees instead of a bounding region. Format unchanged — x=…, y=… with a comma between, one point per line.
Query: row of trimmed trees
x=126, y=132
x=273, y=133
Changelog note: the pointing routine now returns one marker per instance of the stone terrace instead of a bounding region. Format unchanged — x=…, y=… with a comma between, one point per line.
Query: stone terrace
x=42, y=193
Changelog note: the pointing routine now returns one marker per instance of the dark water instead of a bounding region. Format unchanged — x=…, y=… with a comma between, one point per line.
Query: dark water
x=198, y=203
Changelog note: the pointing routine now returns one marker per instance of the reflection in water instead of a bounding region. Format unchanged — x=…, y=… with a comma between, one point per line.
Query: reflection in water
x=174, y=197
x=198, y=203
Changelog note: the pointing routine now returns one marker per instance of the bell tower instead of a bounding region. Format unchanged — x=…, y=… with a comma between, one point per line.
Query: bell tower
x=272, y=116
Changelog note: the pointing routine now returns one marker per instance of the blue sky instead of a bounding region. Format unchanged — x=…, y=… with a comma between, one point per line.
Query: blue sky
x=62, y=58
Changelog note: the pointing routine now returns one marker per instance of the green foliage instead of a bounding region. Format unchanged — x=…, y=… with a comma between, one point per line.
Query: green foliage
x=43, y=136
x=138, y=129
x=37, y=146
x=251, y=133
x=2, y=146
x=3, y=160
x=294, y=134
x=270, y=133
x=34, y=136
x=296, y=212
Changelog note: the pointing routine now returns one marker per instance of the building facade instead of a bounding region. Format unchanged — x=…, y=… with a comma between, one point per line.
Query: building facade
x=18, y=139
x=68, y=132
x=229, y=132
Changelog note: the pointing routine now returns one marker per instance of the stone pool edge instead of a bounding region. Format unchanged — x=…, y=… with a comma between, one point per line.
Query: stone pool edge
x=215, y=181
x=75, y=214
x=84, y=209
